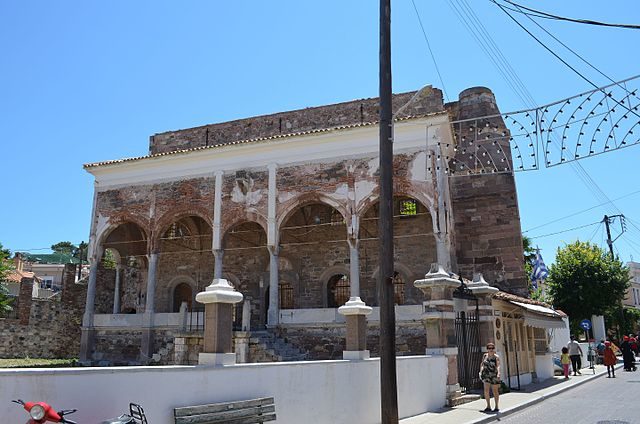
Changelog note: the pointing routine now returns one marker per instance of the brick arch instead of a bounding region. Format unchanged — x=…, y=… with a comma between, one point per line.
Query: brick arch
x=174, y=215
x=407, y=278
x=308, y=199
x=113, y=223
x=238, y=220
x=326, y=275
x=363, y=205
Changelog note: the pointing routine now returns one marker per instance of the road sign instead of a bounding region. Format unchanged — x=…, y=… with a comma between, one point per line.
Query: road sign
x=585, y=324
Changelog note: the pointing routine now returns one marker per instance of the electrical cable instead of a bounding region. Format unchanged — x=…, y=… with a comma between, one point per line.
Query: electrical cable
x=561, y=59
x=426, y=39
x=582, y=211
x=565, y=231
x=577, y=55
x=541, y=14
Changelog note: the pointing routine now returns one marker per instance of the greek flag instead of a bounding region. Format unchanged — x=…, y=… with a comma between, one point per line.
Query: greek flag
x=540, y=271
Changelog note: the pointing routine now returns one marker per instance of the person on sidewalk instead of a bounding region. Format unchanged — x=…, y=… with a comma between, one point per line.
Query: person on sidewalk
x=565, y=361
x=627, y=354
x=610, y=359
x=575, y=353
x=490, y=376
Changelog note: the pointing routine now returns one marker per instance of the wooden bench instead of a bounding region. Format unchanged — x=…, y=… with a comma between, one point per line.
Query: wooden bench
x=239, y=412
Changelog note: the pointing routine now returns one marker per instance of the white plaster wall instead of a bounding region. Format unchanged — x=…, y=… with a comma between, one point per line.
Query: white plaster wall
x=318, y=392
x=331, y=315
x=544, y=366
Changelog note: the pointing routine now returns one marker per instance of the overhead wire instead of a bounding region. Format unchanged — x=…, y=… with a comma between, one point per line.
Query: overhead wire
x=433, y=58
x=546, y=15
x=565, y=231
x=579, y=212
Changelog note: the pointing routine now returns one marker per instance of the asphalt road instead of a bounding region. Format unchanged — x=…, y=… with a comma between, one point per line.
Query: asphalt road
x=601, y=401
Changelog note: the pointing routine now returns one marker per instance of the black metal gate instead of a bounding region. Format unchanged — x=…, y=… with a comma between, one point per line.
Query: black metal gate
x=469, y=352
x=468, y=342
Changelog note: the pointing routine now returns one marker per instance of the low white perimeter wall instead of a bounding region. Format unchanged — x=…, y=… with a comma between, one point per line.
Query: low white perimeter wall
x=317, y=392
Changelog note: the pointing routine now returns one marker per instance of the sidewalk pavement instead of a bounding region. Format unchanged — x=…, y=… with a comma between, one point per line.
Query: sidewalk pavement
x=471, y=413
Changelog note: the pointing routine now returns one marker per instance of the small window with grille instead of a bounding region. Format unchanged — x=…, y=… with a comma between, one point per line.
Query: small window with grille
x=408, y=207
x=338, y=290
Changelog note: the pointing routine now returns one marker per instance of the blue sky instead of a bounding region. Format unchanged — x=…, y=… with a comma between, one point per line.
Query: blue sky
x=89, y=81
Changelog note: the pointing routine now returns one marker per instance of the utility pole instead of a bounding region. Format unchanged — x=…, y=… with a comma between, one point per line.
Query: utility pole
x=388, y=380
x=609, y=241
x=610, y=244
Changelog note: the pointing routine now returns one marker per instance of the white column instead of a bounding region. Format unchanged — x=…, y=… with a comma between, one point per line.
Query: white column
x=151, y=284
x=87, y=319
x=116, y=294
x=218, y=254
x=273, y=315
x=441, y=230
x=354, y=268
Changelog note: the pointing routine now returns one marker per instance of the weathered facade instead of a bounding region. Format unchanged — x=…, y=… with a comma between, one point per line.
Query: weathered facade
x=292, y=198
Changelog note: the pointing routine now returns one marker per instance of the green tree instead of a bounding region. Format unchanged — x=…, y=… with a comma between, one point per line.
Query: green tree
x=64, y=247
x=585, y=280
x=5, y=267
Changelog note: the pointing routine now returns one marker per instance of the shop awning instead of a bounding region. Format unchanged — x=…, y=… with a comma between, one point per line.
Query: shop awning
x=540, y=316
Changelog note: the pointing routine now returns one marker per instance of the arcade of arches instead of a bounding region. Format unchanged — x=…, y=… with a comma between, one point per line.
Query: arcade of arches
x=313, y=260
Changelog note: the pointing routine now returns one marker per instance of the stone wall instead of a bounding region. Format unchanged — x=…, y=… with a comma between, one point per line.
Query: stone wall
x=46, y=328
x=295, y=121
x=486, y=218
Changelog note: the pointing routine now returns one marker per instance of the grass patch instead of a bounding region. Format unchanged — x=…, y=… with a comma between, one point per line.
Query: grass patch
x=37, y=363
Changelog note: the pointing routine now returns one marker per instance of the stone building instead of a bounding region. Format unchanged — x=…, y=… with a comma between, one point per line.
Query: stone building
x=285, y=207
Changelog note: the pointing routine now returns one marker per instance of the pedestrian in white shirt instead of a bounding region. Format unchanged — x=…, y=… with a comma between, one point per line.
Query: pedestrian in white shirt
x=575, y=353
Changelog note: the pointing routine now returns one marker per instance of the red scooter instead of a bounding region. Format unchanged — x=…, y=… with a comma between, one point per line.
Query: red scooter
x=41, y=412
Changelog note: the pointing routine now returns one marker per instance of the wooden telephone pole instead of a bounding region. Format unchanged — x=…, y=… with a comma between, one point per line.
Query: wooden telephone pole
x=388, y=383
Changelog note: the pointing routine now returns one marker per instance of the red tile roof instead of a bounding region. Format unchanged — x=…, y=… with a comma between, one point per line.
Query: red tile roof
x=17, y=276
x=508, y=297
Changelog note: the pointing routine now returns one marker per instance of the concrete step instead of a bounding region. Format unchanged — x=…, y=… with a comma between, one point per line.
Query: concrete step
x=461, y=400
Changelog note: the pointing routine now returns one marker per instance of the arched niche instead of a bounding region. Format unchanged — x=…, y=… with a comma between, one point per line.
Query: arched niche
x=244, y=246
x=414, y=246
x=314, y=238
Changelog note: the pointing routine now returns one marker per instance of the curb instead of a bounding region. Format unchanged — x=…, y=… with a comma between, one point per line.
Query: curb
x=539, y=399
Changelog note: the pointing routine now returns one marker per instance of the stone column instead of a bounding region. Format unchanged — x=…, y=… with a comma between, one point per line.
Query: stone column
x=146, y=349
x=355, y=310
x=439, y=321
x=273, y=315
x=484, y=292
x=116, y=294
x=218, y=299
x=87, y=331
x=218, y=254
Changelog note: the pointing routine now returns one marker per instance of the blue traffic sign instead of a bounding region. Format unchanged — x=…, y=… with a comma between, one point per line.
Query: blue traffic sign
x=585, y=324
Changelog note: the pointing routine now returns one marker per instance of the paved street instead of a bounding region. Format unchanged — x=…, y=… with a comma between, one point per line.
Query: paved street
x=601, y=401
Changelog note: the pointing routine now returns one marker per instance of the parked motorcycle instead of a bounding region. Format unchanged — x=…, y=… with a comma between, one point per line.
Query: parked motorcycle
x=42, y=412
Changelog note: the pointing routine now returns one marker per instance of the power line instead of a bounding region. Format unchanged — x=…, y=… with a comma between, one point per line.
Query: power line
x=565, y=231
x=426, y=39
x=545, y=15
x=582, y=211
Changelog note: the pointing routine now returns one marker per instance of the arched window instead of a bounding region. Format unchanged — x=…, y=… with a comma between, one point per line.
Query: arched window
x=177, y=230
x=338, y=290
x=182, y=293
x=398, y=289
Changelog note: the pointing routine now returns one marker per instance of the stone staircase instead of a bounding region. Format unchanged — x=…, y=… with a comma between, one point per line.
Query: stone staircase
x=266, y=346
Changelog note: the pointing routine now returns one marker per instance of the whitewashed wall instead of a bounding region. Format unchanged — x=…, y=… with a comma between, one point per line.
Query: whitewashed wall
x=317, y=392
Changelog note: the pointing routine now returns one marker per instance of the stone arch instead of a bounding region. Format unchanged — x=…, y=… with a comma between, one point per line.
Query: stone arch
x=116, y=234
x=326, y=276
x=306, y=199
x=408, y=277
x=173, y=285
x=175, y=215
x=226, y=227
x=428, y=202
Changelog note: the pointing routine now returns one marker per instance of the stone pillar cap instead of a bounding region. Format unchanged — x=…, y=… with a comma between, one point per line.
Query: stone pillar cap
x=436, y=276
x=355, y=306
x=219, y=291
x=480, y=286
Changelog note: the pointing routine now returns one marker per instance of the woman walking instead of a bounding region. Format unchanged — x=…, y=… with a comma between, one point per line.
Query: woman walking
x=610, y=359
x=490, y=376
